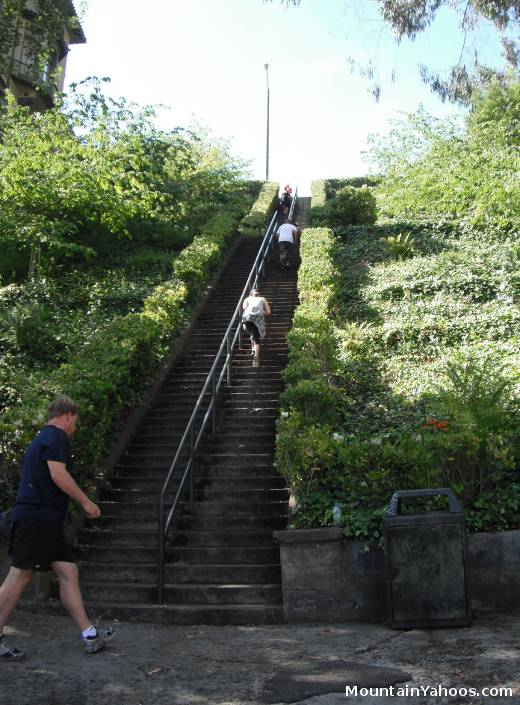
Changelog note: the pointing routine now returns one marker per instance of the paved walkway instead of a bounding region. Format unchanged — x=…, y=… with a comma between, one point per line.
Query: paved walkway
x=307, y=665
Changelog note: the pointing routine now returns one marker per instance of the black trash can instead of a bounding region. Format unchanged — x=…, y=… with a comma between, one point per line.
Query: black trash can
x=426, y=564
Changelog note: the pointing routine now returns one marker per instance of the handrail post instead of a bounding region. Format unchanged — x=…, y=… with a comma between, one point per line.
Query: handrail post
x=160, y=578
x=214, y=402
x=228, y=346
x=192, y=460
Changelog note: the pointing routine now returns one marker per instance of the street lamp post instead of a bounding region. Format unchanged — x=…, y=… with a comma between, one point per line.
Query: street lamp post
x=266, y=67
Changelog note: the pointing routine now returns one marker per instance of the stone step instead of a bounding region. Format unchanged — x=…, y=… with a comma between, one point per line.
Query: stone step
x=142, y=537
x=149, y=508
x=180, y=405
x=146, y=493
x=157, y=453
x=242, y=495
x=223, y=509
x=203, y=522
x=239, y=433
x=252, y=443
x=191, y=367
x=222, y=483
x=189, y=375
x=191, y=391
x=180, y=422
x=188, y=594
x=238, y=413
x=163, y=454
x=176, y=573
x=230, y=555
x=230, y=459
x=157, y=471
x=188, y=614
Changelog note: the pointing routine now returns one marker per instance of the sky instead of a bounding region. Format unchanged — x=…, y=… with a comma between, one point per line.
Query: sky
x=204, y=60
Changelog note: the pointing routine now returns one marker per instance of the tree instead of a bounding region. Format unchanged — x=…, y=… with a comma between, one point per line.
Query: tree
x=408, y=18
x=93, y=170
x=468, y=174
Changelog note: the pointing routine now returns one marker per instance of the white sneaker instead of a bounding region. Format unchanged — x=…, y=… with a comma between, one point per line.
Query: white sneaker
x=96, y=643
x=10, y=653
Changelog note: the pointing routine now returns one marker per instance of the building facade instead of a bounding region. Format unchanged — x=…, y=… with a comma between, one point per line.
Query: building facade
x=32, y=87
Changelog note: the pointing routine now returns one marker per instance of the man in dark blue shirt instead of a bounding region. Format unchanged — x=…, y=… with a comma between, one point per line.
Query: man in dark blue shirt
x=38, y=541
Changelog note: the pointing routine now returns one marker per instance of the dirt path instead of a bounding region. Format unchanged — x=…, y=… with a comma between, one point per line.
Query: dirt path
x=309, y=665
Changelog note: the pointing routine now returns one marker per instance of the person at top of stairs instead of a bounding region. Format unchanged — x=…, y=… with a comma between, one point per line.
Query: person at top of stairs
x=286, y=200
x=255, y=309
x=37, y=540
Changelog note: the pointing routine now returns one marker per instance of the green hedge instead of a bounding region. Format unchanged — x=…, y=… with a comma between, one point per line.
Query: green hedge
x=109, y=375
x=332, y=186
x=261, y=211
x=323, y=190
x=350, y=206
x=314, y=396
x=318, y=192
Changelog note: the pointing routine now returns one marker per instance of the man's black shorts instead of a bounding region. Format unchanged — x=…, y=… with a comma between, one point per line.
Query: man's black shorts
x=252, y=330
x=35, y=544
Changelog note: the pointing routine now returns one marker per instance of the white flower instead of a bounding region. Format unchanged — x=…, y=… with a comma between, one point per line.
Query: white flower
x=338, y=437
x=376, y=441
x=284, y=414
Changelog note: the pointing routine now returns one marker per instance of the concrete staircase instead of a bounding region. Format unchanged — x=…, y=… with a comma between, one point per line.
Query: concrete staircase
x=222, y=564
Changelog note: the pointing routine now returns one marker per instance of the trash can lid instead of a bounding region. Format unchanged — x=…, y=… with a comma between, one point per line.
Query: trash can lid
x=395, y=502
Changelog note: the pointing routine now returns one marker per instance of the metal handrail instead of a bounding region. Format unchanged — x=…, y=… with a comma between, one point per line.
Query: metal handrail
x=214, y=382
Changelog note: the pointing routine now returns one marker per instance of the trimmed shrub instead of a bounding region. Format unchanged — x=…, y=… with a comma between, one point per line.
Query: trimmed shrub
x=351, y=206
x=334, y=185
x=261, y=211
x=318, y=193
x=314, y=394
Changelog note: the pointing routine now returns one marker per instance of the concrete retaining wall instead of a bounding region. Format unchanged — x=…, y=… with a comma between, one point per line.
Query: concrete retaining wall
x=328, y=578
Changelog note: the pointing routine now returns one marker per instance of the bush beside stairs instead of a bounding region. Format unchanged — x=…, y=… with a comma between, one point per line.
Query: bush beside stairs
x=222, y=563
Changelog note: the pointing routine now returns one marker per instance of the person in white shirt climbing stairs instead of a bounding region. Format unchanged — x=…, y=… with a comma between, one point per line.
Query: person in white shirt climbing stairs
x=287, y=236
x=254, y=310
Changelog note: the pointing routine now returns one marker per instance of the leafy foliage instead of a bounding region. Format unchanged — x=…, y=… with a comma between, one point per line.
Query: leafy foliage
x=408, y=18
x=399, y=246
x=73, y=194
x=107, y=372
x=332, y=186
x=404, y=361
x=350, y=206
x=132, y=225
x=436, y=169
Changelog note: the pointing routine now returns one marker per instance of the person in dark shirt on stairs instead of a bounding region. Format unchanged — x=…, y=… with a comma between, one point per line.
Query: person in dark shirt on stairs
x=38, y=541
